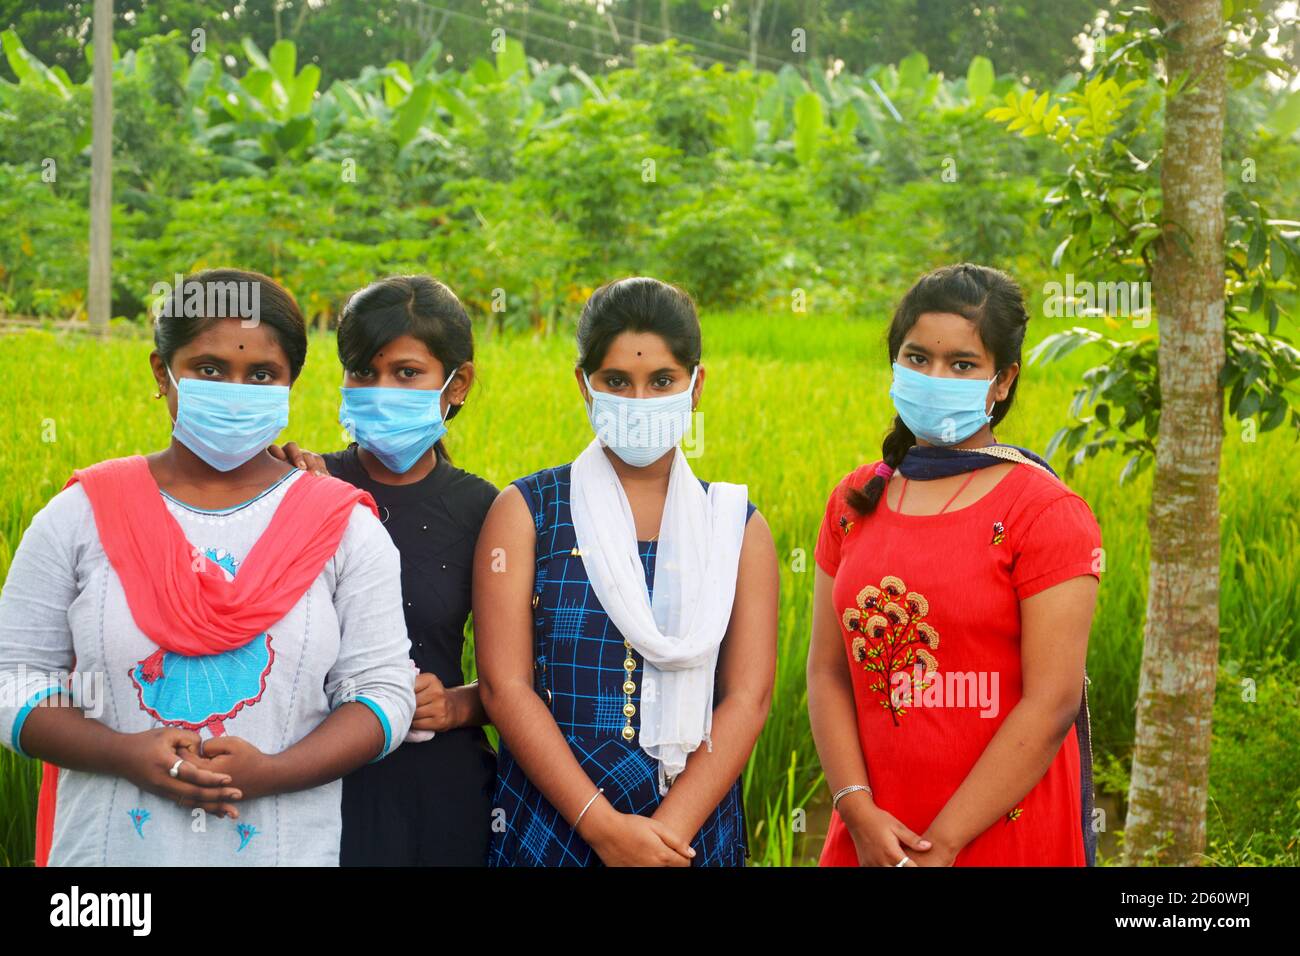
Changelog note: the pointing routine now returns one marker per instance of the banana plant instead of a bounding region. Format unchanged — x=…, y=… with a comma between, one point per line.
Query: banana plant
x=31, y=72
x=269, y=111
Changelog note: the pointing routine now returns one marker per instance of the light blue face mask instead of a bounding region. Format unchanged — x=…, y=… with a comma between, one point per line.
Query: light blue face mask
x=227, y=423
x=943, y=411
x=640, y=430
x=396, y=425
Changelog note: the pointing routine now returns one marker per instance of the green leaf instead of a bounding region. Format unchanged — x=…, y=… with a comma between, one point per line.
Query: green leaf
x=807, y=127
x=303, y=91
x=397, y=83
x=740, y=122
x=1257, y=297
x=1275, y=409
x=1059, y=251
x=411, y=114
x=29, y=69
x=912, y=70
x=1131, y=469
x=1277, y=258
x=482, y=72
x=1258, y=245
x=255, y=55
x=424, y=67
x=284, y=62
x=511, y=59
x=979, y=78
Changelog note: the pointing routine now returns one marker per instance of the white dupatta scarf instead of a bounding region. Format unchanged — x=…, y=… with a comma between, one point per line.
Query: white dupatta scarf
x=678, y=634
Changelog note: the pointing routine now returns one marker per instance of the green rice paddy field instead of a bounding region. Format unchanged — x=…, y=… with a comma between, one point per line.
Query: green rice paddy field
x=791, y=404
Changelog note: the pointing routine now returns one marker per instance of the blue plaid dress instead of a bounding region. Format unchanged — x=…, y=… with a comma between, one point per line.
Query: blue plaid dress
x=578, y=657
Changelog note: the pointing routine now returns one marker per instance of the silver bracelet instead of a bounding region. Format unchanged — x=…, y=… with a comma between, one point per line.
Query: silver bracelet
x=586, y=808
x=835, y=800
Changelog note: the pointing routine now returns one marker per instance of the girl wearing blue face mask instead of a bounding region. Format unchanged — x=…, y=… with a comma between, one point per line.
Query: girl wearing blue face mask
x=955, y=584
x=626, y=617
x=407, y=350
x=234, y=626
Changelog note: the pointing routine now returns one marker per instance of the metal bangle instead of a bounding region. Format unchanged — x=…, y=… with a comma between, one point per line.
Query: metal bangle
x=586, y=808
x=835, y=800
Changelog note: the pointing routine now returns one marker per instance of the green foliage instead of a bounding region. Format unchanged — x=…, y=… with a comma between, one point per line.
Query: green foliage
x=715, y=246
x=606, y=175
x=1109, y=202
x=1253, y=817
x=1124, y=394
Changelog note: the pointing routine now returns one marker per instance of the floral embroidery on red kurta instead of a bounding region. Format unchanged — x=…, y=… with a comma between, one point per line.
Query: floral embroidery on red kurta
x=891, y=637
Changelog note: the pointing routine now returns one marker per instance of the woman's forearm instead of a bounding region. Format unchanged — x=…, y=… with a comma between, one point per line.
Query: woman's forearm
x=709, y=774
x=1010, y=766
x=64, y=736
x=833, y=715
x=467, y=705
x=345, y=740
x=537, y=745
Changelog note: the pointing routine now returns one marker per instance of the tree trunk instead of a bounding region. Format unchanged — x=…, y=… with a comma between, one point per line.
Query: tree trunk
x=99, y=298
x=1167, y=796
x=755, y=25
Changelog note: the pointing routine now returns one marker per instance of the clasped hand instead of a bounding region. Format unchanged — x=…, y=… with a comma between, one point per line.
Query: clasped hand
x=214, y=773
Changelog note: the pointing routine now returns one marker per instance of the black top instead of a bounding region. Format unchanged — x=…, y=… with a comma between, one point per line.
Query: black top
x=425, y=804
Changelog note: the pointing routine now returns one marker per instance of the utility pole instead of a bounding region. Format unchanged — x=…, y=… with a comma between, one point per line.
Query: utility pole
x=99, y=298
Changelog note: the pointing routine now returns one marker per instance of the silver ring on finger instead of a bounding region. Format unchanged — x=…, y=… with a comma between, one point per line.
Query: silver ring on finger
x=175, y=771
x=904, y=861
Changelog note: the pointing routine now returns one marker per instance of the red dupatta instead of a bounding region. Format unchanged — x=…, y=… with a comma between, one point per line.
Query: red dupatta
x=190, y=607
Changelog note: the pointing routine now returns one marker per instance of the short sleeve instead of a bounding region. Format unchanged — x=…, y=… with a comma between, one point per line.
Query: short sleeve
x=532, y=499
x=1062, y=541
x=831, y=535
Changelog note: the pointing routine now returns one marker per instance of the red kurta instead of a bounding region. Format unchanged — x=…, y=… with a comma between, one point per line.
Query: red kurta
x=929, y=608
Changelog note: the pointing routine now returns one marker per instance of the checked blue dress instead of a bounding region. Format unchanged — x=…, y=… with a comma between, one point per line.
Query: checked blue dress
x=578, y=658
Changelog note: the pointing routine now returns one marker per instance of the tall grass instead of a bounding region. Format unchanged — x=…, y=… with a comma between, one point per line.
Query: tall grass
x=790, y=405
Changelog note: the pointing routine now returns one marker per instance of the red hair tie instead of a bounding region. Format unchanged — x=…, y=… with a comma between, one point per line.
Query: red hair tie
x=884, y=471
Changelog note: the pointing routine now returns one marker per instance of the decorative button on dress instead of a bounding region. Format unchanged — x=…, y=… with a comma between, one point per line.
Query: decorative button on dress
x=591, y=680
x=929, y=610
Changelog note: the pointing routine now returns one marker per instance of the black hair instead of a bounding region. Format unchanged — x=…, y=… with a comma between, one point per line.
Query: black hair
x=638, y=304
x=173, y=329
x=990, y=299
x=416, y=305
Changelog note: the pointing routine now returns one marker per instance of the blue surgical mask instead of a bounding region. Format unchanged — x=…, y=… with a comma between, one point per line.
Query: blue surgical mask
x=640, y=430
x=227, y=423
x=943, y=411
x=396, y=425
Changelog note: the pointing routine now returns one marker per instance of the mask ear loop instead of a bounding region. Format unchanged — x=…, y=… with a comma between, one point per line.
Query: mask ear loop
x=988, y=415
x=177, y=386
x=443, y=389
